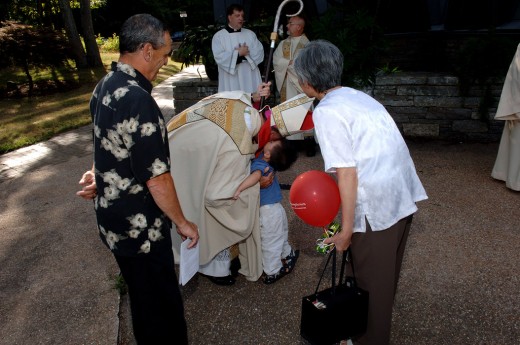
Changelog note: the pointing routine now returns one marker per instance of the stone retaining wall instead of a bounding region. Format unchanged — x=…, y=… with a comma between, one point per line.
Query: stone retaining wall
x=432, y=105
x=422, y=104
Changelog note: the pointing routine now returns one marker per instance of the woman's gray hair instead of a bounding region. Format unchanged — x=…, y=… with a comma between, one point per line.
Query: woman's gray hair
x=319, y=64
x=140, y=29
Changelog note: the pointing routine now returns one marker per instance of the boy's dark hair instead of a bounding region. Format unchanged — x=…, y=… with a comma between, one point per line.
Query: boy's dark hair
x=283, y=155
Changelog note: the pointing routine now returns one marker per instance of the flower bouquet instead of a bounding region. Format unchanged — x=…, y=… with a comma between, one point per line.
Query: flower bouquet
x=329, y=231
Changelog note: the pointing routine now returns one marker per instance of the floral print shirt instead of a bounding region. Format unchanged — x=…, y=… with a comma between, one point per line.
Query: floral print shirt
x=130, y=147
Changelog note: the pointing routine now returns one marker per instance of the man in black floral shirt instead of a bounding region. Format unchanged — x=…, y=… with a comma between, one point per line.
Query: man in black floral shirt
x=134, y=193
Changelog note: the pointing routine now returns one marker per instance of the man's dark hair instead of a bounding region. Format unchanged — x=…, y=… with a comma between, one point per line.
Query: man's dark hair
x=140, y=29
x=283, y=155
x=234, y=7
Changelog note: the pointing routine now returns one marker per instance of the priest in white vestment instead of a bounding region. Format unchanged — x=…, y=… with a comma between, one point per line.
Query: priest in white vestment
x=283, y=57
x=507, y=164
x=237, y=52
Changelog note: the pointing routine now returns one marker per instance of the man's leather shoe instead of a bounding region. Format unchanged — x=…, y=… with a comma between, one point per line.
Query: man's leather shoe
x=228, y=280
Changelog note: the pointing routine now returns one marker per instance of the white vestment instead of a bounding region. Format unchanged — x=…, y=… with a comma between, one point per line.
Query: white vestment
x=284, y=73
x=507, y=164
x=244, y=76
x=207, y=167
x=285, y=76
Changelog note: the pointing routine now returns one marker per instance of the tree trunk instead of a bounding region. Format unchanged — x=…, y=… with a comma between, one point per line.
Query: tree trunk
x=93, y=56
x=29, y=77
x=72, y=34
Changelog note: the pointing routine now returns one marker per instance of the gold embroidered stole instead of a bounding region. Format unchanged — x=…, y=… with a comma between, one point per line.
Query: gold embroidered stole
x=228, y=114
x=286, y=50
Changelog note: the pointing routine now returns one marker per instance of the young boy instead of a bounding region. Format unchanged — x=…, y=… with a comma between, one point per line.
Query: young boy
x=278, y=258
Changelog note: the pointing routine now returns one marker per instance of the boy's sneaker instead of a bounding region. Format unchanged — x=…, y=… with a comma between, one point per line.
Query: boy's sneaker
x=290, y=261
x=269, y=279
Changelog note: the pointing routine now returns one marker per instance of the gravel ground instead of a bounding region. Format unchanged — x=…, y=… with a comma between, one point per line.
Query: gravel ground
x=459, y=281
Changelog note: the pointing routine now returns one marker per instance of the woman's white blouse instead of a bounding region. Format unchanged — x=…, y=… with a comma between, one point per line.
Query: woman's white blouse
x=354, y=130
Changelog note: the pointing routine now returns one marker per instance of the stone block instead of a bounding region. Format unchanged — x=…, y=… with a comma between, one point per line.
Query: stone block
x=395, y=101
x=180, y=105
x=413, y=110
x=400, y=118
x=471, y=102
x=431, y=101
x=441, y=113
x=443, y=80
x=401, y=79
x=384, y=90
x=428, y=90
x=183, y=94
x=426, y=130
x=469, y=126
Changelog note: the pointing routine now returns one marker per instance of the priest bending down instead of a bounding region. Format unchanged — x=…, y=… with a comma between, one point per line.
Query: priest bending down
x=211, y=148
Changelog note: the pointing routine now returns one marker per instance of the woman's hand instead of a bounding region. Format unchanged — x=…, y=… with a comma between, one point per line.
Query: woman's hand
x=341, y=240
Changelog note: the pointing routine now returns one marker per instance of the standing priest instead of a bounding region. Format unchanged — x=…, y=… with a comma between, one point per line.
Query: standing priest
x=237, y=52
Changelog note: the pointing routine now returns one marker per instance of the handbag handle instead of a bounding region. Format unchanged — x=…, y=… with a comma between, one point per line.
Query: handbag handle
x=347, y=257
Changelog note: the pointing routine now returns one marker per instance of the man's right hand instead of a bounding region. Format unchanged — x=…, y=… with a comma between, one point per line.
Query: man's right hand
x=189, y=230
x=243, y=50
x=267, y=180
x=89, y=190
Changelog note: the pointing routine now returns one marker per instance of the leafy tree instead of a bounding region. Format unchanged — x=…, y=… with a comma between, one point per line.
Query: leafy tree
x=360, y=39
x=47, y=13
x=91, y=47
x=72, y=33
x=30, y=46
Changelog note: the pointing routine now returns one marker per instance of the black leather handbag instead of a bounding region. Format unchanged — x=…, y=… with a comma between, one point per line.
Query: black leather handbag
x=336, y=313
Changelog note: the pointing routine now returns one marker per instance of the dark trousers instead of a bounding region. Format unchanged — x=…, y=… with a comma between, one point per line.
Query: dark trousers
x=155, y=299
x=377, y=259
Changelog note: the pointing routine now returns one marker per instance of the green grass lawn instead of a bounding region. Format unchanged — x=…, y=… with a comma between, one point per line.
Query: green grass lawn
x=28, y=120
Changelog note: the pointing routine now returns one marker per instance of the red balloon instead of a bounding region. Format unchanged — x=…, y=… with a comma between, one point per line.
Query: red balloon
x=314, y=197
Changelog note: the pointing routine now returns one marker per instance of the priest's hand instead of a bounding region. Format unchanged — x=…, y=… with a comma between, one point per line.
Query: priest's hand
x=263, y=90
x=267, y=180
x=243, y=49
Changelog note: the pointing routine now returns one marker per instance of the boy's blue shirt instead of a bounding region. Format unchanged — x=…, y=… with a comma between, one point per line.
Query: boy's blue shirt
x=273, y=193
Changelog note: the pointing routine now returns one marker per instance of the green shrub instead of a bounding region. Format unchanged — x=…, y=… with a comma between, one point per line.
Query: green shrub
x=31, y=48
x=482, y=58
x=480, y=61
x=356, y=33
x=108, y=45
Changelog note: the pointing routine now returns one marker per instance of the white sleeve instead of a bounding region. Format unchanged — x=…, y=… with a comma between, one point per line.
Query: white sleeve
x=225, y=57
x=335, y=138
x=280, y=65
x=256, y=51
